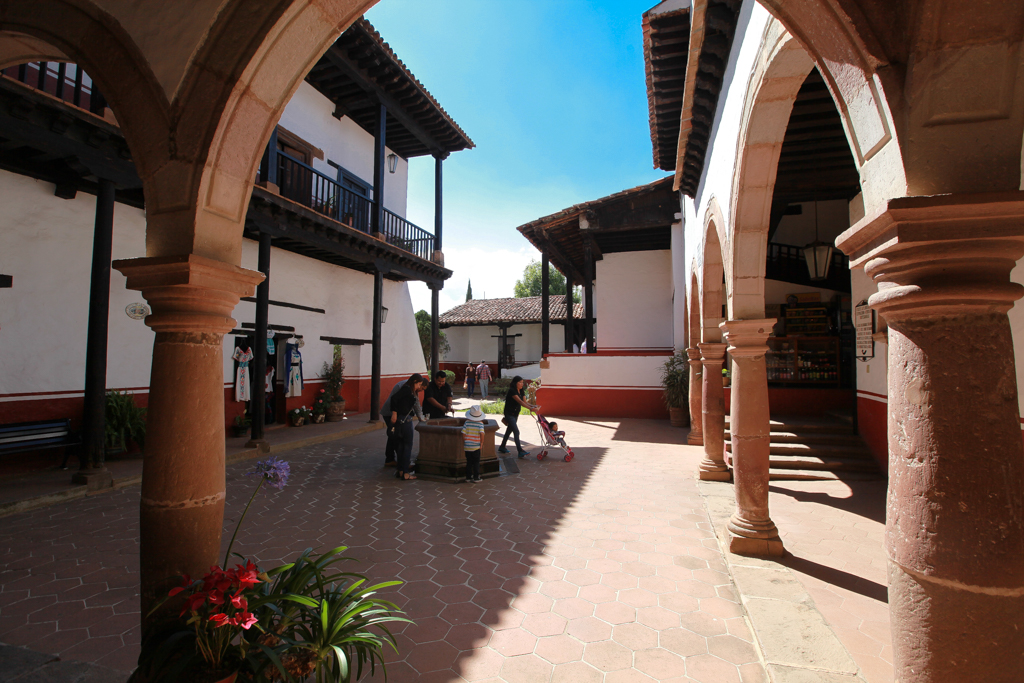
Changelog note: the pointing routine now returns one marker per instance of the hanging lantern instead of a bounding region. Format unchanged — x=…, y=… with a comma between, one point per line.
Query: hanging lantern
x=818, y=254
x=392, y=162
x=383, y=315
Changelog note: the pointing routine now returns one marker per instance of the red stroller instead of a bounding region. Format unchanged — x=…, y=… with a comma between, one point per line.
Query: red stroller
x=550, y=437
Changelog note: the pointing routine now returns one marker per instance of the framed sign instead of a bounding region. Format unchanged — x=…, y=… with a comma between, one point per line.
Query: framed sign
x=864, y=324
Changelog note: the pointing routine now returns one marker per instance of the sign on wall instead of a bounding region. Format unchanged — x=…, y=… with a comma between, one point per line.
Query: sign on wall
x=864, y=323
x=137, y=311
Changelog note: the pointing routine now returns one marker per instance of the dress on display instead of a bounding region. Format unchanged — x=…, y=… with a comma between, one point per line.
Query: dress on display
x=242, y=373
x=294, y=360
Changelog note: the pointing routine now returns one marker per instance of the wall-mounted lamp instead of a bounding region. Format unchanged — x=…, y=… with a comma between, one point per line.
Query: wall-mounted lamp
x=818, y=254
x=392, y=162
x=383, y=315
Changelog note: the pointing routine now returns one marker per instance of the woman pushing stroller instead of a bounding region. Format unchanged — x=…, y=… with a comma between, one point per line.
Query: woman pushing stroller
x=515, y=401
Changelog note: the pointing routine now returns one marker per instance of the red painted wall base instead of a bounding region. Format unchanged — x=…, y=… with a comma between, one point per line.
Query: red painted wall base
x=872, y=423
x=642, y=403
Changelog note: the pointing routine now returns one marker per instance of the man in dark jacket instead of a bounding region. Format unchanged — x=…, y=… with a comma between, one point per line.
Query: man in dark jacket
x=437, y=399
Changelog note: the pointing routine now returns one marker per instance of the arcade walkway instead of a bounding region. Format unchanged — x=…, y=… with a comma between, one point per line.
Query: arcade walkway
x=603, y=569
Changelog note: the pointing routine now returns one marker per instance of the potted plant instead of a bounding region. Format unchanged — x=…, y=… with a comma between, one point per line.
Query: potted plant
x=334, y=373
x=300, y=415
x=241, y=426
x=124, y=422
x=675, y=383
x=301, y=619
x=319, y=409
x=725, y=377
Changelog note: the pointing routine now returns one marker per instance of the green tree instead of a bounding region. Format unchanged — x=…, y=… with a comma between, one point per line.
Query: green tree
x=530, y=285
x=469, y=291
x=423, y=326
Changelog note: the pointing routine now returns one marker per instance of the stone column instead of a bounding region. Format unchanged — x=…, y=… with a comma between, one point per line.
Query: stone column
x=713, y=465
x=955, y=510
x=182, y=507
x=696, y=435
x=751, y=530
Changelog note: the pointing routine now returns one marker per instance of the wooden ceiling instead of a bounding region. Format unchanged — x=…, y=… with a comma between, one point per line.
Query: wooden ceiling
x=360, y=71
x=815, y=163
x=666, y=45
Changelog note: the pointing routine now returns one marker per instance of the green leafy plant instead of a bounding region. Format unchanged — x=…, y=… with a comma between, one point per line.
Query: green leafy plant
x=320, y=403
x=499, y=386
x=334, y=373
x=675, y=381
x=449, y=377
x=493, y=407
x=124, y=421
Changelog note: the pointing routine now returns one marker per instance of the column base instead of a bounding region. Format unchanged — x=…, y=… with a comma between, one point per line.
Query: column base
x=261, y=445
x=695, y=439
x=762, y=547
x=714, y=475
x=94, y=479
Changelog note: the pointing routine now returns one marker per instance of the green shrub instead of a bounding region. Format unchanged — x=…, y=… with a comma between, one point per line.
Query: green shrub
x=493, y=407
x=675, y=380
x=499, y=386
x=124, y=421
x=451, y=377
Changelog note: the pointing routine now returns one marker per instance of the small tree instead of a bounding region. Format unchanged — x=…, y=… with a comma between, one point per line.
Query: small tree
x=423, y=326
x=469, y=291
x=532, y=283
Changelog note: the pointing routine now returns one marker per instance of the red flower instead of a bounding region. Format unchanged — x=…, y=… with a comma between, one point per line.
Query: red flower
x=323, y=390
x=216, y=597
x=244, y=619
x=195, y=601
x=247, y=576
x=220, y=619
x=238, y=601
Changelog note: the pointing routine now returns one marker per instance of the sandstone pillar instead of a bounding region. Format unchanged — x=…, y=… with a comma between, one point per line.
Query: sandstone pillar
x=751, y=530
x=713, y=465
x=182, y=507
x=696, y=435
x=955, y=510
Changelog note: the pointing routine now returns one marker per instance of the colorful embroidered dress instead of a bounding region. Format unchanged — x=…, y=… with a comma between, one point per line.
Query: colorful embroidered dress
x=294, y=359
x=242, y=373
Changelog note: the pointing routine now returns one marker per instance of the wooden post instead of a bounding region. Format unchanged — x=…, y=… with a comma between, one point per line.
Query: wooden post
x=259, y=375
x=379, y=163
x=378, y=301
x=438, y=192
x=435, y=331
x=588, y=297
x=545, y=307
x=268, y=168
x=92, y=470
x=570, y=334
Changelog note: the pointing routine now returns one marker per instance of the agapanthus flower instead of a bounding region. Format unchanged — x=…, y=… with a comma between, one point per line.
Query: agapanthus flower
x=275, y=471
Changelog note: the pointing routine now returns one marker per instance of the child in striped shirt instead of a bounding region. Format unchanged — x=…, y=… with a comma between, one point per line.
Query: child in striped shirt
x=472, y=437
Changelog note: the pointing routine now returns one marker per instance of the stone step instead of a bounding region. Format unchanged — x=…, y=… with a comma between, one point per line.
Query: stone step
x=817, y=438
x=852, y=449
x=820, y=475
x=805, y=425
x=808, y=462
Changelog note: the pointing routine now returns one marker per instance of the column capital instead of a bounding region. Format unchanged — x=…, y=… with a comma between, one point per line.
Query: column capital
x=693, y=355
x=189, y=293
x=712, y=353
x=747, y=338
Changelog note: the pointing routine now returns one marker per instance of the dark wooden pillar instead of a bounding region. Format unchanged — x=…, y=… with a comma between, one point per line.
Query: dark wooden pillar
x=588, y=296
x=569, y=333
x=259, y=376
x=545, y=306
x=435, y=330
x=91, y=460
x=378, y=301
x=438, y=200
x=268, y=167
x=379, y=164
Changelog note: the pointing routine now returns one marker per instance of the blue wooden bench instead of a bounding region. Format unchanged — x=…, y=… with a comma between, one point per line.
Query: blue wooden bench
x=21, y=437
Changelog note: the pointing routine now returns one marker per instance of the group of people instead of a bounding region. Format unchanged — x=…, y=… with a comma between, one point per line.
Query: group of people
x=402, y=404
x=481, y=375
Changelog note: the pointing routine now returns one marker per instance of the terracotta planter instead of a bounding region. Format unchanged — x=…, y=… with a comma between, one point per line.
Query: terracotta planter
x=336, y=410
x=319, y=419
x=679, y=417
x=298, y=421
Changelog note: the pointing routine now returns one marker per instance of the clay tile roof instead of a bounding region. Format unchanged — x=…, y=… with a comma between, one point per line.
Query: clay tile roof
x=512, y=310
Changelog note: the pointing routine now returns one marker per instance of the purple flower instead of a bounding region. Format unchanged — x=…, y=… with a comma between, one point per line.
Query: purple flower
x=274, y=471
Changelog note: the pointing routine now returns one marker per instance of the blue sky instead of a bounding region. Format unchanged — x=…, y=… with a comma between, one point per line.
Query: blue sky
x=552, y=93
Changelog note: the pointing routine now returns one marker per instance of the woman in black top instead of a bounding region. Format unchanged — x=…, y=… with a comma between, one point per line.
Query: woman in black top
x=514, y=402
x=403, y=406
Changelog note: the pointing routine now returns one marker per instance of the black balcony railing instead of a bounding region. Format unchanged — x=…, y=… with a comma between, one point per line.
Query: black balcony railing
x=63, y=80
x=302, y=183
x=786, y=263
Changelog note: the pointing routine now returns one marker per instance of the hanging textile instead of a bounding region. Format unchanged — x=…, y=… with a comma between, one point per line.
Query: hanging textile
x=293, y=358
x=270, y=381
x=242, y=373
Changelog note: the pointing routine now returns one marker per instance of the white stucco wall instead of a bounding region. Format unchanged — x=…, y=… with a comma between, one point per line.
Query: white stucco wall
x=310, y=116
x=477, y=343
x=634, y=307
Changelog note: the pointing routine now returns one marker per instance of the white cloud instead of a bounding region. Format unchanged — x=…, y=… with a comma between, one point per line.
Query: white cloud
x=493, y=273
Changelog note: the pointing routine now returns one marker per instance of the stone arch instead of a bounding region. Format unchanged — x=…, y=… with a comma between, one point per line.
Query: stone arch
x=694, y=317
x=779, y=72
x=712, y=279
x=19, y=48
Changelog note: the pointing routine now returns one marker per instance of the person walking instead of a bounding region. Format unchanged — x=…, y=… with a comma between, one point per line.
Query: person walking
x=387, y=412
x=437, y=399
x=403, y=405
x=483, y=376
x=472, y=437
x=515, y=401
x=470, y=380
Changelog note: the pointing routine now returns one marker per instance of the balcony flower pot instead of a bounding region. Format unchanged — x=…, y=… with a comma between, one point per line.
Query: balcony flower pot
x=336, y=410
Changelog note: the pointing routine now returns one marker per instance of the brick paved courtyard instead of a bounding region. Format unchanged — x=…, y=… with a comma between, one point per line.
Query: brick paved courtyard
x=602, y=569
